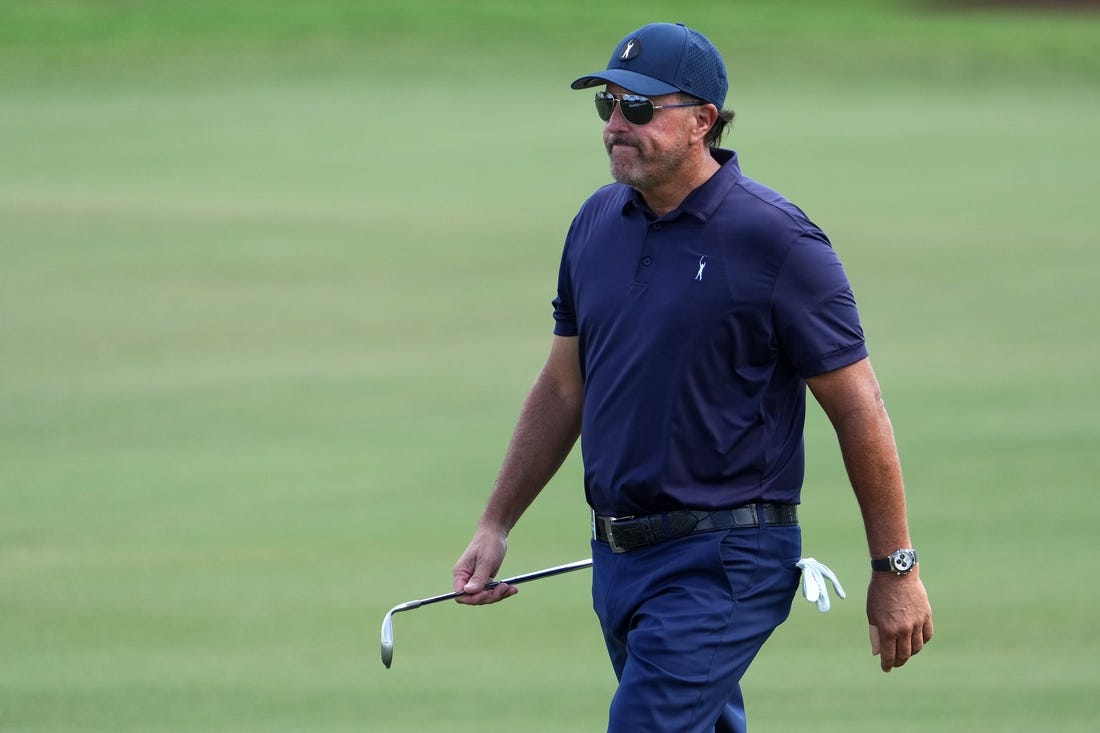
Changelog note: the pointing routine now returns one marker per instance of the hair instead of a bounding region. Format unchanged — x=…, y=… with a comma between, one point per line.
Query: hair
x=714, y=135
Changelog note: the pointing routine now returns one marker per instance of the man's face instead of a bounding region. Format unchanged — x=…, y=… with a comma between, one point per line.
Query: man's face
x=646, y=156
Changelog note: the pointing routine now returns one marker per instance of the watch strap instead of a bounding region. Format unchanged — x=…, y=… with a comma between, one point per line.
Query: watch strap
x=883, y=564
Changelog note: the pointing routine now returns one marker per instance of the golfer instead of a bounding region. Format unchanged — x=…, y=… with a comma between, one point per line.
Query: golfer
x=694, y=307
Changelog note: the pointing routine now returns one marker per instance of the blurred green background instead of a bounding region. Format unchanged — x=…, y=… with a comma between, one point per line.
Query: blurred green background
x=275, y=278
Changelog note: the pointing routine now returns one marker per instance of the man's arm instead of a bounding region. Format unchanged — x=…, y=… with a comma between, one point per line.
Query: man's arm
x=897, y=606
x=548, y=426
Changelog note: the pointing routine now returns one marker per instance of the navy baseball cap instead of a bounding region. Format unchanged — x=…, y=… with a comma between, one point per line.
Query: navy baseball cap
x=665, y=58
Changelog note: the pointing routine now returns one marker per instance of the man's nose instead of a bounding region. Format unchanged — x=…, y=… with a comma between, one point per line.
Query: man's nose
x=616, y=121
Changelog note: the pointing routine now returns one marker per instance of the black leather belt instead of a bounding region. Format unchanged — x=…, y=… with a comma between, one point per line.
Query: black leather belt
x=630, y=533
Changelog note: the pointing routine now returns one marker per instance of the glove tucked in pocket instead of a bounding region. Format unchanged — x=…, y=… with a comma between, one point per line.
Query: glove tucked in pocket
x=814, y=589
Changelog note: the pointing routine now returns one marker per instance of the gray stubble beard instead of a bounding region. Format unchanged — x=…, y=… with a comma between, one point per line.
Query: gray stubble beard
x=669, y=162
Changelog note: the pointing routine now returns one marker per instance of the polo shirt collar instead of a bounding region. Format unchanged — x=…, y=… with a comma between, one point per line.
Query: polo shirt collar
x=705, y=200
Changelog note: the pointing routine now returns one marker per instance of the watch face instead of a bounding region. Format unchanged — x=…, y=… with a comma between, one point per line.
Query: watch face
x=903, y=561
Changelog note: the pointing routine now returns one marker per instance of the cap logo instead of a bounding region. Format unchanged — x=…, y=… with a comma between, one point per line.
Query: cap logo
x=631, y=50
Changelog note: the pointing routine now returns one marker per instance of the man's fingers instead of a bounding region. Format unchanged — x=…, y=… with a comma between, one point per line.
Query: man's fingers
x=475, y=584
x=896, y=650
x=917, y=641
x=885, y=647
x=922, y=636
x=502, y=591
x=903, y=648
x=474, y=589
x=485, y=596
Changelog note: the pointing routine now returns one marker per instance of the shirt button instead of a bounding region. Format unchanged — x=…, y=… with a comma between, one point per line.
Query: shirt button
x=657, y=225
x=646, y=260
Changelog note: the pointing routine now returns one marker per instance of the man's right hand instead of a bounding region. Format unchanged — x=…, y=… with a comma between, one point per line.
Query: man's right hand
x=477, y=566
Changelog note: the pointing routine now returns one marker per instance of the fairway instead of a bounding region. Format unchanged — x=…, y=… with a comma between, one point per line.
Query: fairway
x=276, y=278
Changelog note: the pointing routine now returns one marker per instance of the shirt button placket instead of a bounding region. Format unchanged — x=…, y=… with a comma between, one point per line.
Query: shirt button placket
x=645, y=262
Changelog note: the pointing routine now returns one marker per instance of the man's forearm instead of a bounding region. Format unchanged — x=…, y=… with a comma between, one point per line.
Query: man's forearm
x=548, y=427
x=874, y=470
x=851, y=398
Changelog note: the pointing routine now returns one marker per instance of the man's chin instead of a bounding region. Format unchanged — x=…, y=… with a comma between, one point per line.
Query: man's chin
x=626, y=176
x=624, y=163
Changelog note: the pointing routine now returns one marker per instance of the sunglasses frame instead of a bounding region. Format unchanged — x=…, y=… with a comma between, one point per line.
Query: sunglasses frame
x=630, y=105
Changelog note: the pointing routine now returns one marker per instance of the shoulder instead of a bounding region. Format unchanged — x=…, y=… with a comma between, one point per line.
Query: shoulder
x=764, y=212
x=747, y=208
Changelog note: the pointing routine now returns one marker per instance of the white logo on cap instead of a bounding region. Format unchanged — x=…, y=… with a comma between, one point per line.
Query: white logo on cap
x=631, y=50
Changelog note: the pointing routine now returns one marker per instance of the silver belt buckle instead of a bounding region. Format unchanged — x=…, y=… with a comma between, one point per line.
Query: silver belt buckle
x=609, y=530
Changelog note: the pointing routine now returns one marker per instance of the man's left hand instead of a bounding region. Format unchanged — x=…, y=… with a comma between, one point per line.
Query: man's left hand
x=900, y=617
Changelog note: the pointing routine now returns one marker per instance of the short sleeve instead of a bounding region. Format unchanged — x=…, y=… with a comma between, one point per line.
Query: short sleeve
x=565, y=315
x=816, y=320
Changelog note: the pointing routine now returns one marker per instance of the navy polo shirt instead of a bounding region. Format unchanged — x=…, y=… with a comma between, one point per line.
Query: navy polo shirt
x=696, y=330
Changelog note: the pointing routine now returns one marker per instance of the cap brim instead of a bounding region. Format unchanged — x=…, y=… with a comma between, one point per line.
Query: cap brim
x=629, y=80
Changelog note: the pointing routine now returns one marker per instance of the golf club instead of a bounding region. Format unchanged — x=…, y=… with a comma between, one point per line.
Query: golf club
x=387, y=623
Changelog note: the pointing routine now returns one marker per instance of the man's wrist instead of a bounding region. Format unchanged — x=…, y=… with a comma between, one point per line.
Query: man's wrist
x=899, y=562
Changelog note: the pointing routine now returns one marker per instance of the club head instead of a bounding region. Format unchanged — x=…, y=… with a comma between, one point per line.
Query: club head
x=387, y=639
x=387, y=625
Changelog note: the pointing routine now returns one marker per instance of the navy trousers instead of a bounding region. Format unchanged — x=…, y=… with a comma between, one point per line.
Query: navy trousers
x=683, y=619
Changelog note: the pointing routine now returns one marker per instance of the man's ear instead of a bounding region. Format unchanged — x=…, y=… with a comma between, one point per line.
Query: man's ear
x=706, y=115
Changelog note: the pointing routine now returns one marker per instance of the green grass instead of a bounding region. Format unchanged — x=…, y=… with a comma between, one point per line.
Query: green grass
x=276, y=277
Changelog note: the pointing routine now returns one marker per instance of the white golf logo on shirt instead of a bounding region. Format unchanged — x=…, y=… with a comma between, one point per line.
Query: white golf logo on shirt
x=702, y=266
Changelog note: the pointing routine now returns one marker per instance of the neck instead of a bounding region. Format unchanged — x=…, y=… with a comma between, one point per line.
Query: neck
x=667, y=196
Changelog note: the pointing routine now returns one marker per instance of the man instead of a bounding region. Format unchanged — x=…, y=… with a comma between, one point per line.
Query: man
x=694, y=307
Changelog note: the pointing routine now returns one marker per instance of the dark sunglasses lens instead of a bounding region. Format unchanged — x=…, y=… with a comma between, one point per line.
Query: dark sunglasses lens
x=605, y=105
x=636, y=110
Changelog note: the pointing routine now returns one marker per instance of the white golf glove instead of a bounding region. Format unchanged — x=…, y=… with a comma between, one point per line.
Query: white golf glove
x=813, y=583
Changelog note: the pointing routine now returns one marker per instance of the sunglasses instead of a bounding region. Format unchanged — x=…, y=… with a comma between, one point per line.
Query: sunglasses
x=636, y=110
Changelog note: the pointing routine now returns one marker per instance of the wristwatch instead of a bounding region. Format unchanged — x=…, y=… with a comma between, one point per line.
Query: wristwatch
x=899, y=562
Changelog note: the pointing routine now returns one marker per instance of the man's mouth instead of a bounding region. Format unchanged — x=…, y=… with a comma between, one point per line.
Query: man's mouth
x=612, y=144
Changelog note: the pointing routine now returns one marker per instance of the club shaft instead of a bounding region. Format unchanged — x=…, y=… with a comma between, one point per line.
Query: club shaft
x=548, y=572
x=536, y=575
